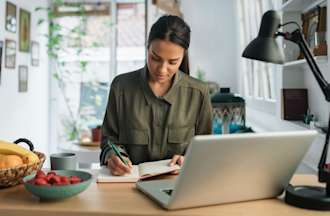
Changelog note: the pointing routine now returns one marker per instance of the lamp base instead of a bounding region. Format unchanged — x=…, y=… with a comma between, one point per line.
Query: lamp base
x=308, y=197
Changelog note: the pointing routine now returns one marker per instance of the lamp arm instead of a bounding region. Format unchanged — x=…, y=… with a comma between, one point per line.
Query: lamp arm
x=298, y=38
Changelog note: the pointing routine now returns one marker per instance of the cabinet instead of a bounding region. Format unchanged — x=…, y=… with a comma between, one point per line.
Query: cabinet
x=296, y=73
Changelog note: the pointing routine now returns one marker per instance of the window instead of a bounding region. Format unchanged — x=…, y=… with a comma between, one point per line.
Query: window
x=258, y=83
x=97, y=42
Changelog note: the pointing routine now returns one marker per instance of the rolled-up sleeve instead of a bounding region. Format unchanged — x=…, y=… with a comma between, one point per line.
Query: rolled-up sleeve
x=110, y=126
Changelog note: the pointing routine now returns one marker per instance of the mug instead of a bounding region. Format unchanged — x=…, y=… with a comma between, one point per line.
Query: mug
x=63, y=161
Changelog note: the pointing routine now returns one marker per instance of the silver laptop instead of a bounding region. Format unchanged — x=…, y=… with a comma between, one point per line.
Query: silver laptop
x=232, y=168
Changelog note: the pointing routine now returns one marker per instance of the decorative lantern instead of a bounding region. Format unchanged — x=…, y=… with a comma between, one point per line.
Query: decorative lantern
x=228, y=112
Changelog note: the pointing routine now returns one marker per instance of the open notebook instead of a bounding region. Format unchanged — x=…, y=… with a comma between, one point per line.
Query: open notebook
x=141, y=171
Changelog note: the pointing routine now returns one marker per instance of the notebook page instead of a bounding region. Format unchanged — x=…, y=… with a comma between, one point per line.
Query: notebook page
x=104, y=175
x=156, y=168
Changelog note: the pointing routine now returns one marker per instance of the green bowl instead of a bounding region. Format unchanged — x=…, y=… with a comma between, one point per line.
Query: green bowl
x=59, y=192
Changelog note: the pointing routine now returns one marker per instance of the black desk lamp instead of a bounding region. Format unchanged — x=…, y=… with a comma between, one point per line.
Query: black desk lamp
x=265, y=48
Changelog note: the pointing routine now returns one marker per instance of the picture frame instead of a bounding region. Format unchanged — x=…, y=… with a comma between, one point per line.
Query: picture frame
x=314, y=30
x=11, y=18
x=22, y=78
x=1, y=48
x=321, y=48
x=10, y=54
x=35, y=53
x=24, y=30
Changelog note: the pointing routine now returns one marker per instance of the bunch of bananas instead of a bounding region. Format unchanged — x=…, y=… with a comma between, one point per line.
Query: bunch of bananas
x=12, y=155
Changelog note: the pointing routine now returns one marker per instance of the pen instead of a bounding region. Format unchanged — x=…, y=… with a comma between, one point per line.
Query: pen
x=115, y=149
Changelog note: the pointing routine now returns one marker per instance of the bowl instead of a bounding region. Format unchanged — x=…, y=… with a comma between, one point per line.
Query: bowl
x=57, y=192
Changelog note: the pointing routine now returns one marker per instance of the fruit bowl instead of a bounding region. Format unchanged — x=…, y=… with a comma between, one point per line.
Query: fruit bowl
x=58, y=191
x=14, y=176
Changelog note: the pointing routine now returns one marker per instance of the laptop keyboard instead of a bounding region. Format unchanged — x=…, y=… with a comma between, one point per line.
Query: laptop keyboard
x=168, y=191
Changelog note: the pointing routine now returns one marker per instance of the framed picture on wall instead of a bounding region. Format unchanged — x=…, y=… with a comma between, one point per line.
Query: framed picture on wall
x=11, y=20
x=314, y=29
x=24, y=30
x=1, y=48
x=10, y=53
x=34, y=53
x=22, y=78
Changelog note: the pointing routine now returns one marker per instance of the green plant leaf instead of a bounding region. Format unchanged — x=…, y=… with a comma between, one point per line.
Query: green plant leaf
x=56, y=76
x=58, y=2
x=40, y=21
x=39, y=8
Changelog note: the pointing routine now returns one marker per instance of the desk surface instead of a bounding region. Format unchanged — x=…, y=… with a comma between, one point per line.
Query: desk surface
x=123, y=199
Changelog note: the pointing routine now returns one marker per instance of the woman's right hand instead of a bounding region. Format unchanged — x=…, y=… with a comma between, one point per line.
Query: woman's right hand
x=117, y=167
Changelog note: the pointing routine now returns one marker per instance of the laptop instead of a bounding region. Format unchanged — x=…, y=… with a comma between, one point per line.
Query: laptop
x=232, y=168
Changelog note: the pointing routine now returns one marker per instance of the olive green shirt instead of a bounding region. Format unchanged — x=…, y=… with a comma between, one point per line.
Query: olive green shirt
x=147, y=127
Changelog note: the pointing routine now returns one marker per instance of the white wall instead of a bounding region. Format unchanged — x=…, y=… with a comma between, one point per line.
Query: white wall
x=214, y=39
x=25, y=114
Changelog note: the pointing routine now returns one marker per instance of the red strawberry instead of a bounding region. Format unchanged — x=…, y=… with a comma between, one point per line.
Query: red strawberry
x=51, y=173
x=40, y=174
x=54, y=179
x=75, y=179
x=41, y=181
x=65, y=180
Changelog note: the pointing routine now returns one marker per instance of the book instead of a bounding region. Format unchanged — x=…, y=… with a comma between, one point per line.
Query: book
x=140, y=171
x=294, y=104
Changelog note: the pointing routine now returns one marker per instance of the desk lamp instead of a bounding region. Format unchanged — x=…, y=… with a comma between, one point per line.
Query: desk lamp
x=264, y=48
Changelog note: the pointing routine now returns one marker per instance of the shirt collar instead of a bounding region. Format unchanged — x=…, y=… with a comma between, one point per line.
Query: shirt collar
x=169, y=97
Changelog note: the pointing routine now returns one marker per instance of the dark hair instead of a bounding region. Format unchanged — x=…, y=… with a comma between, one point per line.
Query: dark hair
x=175, y=30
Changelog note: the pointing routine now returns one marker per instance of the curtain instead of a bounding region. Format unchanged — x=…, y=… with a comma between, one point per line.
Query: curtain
x=258, y=77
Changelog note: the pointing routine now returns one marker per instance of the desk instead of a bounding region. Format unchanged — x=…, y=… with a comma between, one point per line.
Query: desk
x=123, y=199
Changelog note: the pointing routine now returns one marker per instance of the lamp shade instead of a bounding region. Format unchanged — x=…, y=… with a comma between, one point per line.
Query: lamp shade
x=265, y=47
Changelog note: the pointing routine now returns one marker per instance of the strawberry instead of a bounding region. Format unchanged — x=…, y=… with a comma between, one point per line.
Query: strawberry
x=54, y=179
x=75, y=179
x=40, y=174
x=65, y=180
x=51, y=173
x=41, y=182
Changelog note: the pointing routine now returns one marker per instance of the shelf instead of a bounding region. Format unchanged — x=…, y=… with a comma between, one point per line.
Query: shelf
x=302, y=62
x=304, y=126
x=301, y=5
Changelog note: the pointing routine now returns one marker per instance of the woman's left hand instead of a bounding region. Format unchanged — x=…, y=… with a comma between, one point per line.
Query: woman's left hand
x=177, y=159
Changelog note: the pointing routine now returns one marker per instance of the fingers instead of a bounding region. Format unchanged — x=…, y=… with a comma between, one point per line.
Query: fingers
x=177, y=159
x=174, y=160
x=117, y=167
x=180, y=160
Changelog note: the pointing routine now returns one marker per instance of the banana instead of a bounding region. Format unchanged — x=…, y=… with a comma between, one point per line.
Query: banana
x=7, y=148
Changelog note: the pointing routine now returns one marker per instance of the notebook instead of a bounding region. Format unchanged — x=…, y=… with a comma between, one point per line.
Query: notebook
x=141, y=171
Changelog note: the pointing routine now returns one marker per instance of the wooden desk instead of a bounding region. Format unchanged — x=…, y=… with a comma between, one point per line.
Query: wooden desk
x=123, y=199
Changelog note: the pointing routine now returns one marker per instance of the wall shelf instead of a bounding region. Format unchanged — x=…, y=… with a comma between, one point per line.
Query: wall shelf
x=302, y=62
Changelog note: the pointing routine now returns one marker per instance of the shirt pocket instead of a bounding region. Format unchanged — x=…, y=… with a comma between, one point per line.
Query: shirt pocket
x=178, y=140
x=181, y=135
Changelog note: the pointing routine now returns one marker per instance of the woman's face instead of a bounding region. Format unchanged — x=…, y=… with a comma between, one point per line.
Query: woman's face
x=164, y=59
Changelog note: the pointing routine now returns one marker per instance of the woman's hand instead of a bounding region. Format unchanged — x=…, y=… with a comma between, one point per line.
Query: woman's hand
x=177, y=159
x=117, y=167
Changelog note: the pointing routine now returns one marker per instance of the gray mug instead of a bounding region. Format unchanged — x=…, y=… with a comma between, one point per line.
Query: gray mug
x=63, y=161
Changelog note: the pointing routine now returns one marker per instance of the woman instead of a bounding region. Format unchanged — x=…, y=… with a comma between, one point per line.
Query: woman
x=153, y=113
